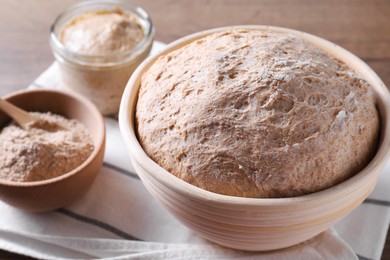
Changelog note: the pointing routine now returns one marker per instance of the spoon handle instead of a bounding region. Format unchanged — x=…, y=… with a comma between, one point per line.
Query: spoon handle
x=21, y=117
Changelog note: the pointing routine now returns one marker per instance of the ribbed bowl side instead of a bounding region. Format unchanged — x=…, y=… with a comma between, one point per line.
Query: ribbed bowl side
x=254, y=228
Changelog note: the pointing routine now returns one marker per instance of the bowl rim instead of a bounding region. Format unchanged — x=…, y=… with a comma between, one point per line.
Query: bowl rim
x=100, y=133
x=138, y=155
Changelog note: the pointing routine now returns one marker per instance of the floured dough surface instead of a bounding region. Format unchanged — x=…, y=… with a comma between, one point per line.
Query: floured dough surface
x=256, y=114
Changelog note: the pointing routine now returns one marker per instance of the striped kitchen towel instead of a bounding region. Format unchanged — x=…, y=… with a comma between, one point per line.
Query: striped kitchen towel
x=119, y=219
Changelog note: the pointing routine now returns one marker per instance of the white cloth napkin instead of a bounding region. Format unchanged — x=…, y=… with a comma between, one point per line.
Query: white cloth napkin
x=119, y=219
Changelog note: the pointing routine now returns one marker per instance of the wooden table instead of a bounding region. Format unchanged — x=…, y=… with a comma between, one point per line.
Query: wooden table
x=361, y=26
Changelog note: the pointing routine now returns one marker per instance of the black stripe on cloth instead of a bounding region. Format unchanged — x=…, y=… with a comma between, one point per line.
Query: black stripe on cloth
x=97, y=223
x=114, y=117
x=121, y=170
x=363, y=257
x=377, y=202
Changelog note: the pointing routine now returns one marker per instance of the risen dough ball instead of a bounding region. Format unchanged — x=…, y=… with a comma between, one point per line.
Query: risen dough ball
x=256, y=114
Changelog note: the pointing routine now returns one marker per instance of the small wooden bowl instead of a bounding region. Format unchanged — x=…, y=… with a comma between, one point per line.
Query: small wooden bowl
x=59, y=191
x=256, y=224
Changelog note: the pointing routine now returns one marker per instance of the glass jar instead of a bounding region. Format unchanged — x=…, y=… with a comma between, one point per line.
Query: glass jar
x=100, y=78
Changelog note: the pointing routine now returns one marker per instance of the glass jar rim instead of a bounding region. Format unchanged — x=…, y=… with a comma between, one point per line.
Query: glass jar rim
x=141, y=14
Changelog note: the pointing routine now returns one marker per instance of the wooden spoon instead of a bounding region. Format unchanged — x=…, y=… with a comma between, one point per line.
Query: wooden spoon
x=27, y=120
x=20, y=116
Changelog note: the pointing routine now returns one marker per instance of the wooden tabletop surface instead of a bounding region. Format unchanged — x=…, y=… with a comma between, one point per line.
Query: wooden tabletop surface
x=361, y=26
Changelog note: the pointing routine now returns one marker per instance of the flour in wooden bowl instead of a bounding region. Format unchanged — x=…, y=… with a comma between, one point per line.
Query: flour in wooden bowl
x=43, y=151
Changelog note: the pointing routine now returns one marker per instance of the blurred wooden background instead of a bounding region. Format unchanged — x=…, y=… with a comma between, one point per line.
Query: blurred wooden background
x=361, y=26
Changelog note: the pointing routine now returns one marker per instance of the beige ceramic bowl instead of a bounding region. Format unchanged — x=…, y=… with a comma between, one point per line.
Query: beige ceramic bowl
x=59, y=191
x=255, y=223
